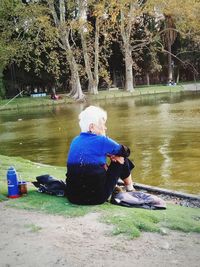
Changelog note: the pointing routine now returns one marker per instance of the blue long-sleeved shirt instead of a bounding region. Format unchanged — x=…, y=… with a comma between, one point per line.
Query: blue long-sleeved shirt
x=86, y=175
x=91, y=149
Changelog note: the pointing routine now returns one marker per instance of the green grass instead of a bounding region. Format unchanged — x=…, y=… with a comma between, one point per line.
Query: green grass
x=127, y=221
x=49, y=204
x=159, y=89
x=134, y=221
x=33, y=228
x=26, y=102
x=27, y=169
x=142, y=90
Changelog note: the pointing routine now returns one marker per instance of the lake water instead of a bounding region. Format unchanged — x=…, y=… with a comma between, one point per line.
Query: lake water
x=163, y=133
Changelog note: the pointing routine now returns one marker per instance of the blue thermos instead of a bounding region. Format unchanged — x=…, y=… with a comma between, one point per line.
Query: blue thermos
x=13, y=191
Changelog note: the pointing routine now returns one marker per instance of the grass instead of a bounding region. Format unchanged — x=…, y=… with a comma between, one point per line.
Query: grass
x=128, y=221
x=134, y=221
x=142, y=90
x=26, y=102
x=33, y=228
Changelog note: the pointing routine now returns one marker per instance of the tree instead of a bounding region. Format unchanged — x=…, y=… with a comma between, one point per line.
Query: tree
x=130, y=17
x=170, y=35
x=64, y=28
x=22, y=34
x=8, y=46
x=94, y=22
x=178, y=17
x=71, y=38
x=127, y=19
x=188, y=63
x=43, y=34
x=84, y=30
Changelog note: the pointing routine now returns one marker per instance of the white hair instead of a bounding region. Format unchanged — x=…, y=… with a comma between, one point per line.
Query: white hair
x=91, y=115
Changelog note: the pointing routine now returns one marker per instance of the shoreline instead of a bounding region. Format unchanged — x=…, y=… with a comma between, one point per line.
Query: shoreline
x=27, y=102
x=124, y=222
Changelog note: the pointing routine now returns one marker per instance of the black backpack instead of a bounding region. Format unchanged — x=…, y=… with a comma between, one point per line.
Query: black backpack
x=48, y=184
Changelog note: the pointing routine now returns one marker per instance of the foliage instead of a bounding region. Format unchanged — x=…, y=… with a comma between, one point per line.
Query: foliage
x=8, y=46
x=2, y=88
x=73, y=43
x=175, y=19
x=29, y=39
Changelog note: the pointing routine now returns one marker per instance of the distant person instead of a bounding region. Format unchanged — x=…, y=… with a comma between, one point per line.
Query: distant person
x=54, y=96
x=171, y=83
x=89, y=179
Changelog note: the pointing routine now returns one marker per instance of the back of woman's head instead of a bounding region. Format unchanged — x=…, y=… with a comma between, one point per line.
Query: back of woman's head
x=91, y=115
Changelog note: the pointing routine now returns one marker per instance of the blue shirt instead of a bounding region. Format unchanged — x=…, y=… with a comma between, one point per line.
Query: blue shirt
x=91, y=149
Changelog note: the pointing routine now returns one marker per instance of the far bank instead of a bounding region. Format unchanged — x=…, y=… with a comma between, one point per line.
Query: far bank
x=27, y=102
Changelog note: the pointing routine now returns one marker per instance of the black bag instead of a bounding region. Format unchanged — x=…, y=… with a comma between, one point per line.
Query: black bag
x=48, y=184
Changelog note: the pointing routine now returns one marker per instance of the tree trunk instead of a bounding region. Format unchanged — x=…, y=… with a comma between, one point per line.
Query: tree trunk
x=178, y=76
x=92, y=76
x=125, y=28
x=129, y=69
x=76, y=90
x=148, y=78
x=92, y=86
x=170, y=68
x=96, y=55
x=170, y=36
x=2, y=88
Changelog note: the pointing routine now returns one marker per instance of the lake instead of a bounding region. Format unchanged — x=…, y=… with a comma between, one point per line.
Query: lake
x=162, y=131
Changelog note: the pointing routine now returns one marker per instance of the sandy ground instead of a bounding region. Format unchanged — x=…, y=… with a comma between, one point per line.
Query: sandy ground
x=35, y=239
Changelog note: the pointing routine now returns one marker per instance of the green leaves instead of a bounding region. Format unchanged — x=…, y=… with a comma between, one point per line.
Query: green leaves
x=34, y=34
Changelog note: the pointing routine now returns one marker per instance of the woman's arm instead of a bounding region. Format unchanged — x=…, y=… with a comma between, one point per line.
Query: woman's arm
x=111, y=147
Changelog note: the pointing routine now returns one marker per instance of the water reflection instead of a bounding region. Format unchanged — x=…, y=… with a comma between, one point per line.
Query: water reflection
x=162, y=132
x=165, y=146
x=146, y=164
x=167, y=161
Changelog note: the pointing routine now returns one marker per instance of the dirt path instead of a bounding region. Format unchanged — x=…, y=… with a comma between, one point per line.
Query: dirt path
x=33, y=239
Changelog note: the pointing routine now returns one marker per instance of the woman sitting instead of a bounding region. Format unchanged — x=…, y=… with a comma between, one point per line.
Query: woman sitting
x=89, y=179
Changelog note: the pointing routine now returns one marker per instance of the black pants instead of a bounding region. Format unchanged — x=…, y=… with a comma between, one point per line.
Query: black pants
x=96, y=189
x=114, y=172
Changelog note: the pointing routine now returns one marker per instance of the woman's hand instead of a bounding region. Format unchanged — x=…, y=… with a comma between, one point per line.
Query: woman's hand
x=117, y=159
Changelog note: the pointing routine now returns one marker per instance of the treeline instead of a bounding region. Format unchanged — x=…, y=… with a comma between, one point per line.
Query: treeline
x=85, y=45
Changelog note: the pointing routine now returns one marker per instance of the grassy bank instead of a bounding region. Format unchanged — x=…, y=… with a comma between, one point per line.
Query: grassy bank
x=128, y=221
x=26, y=102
